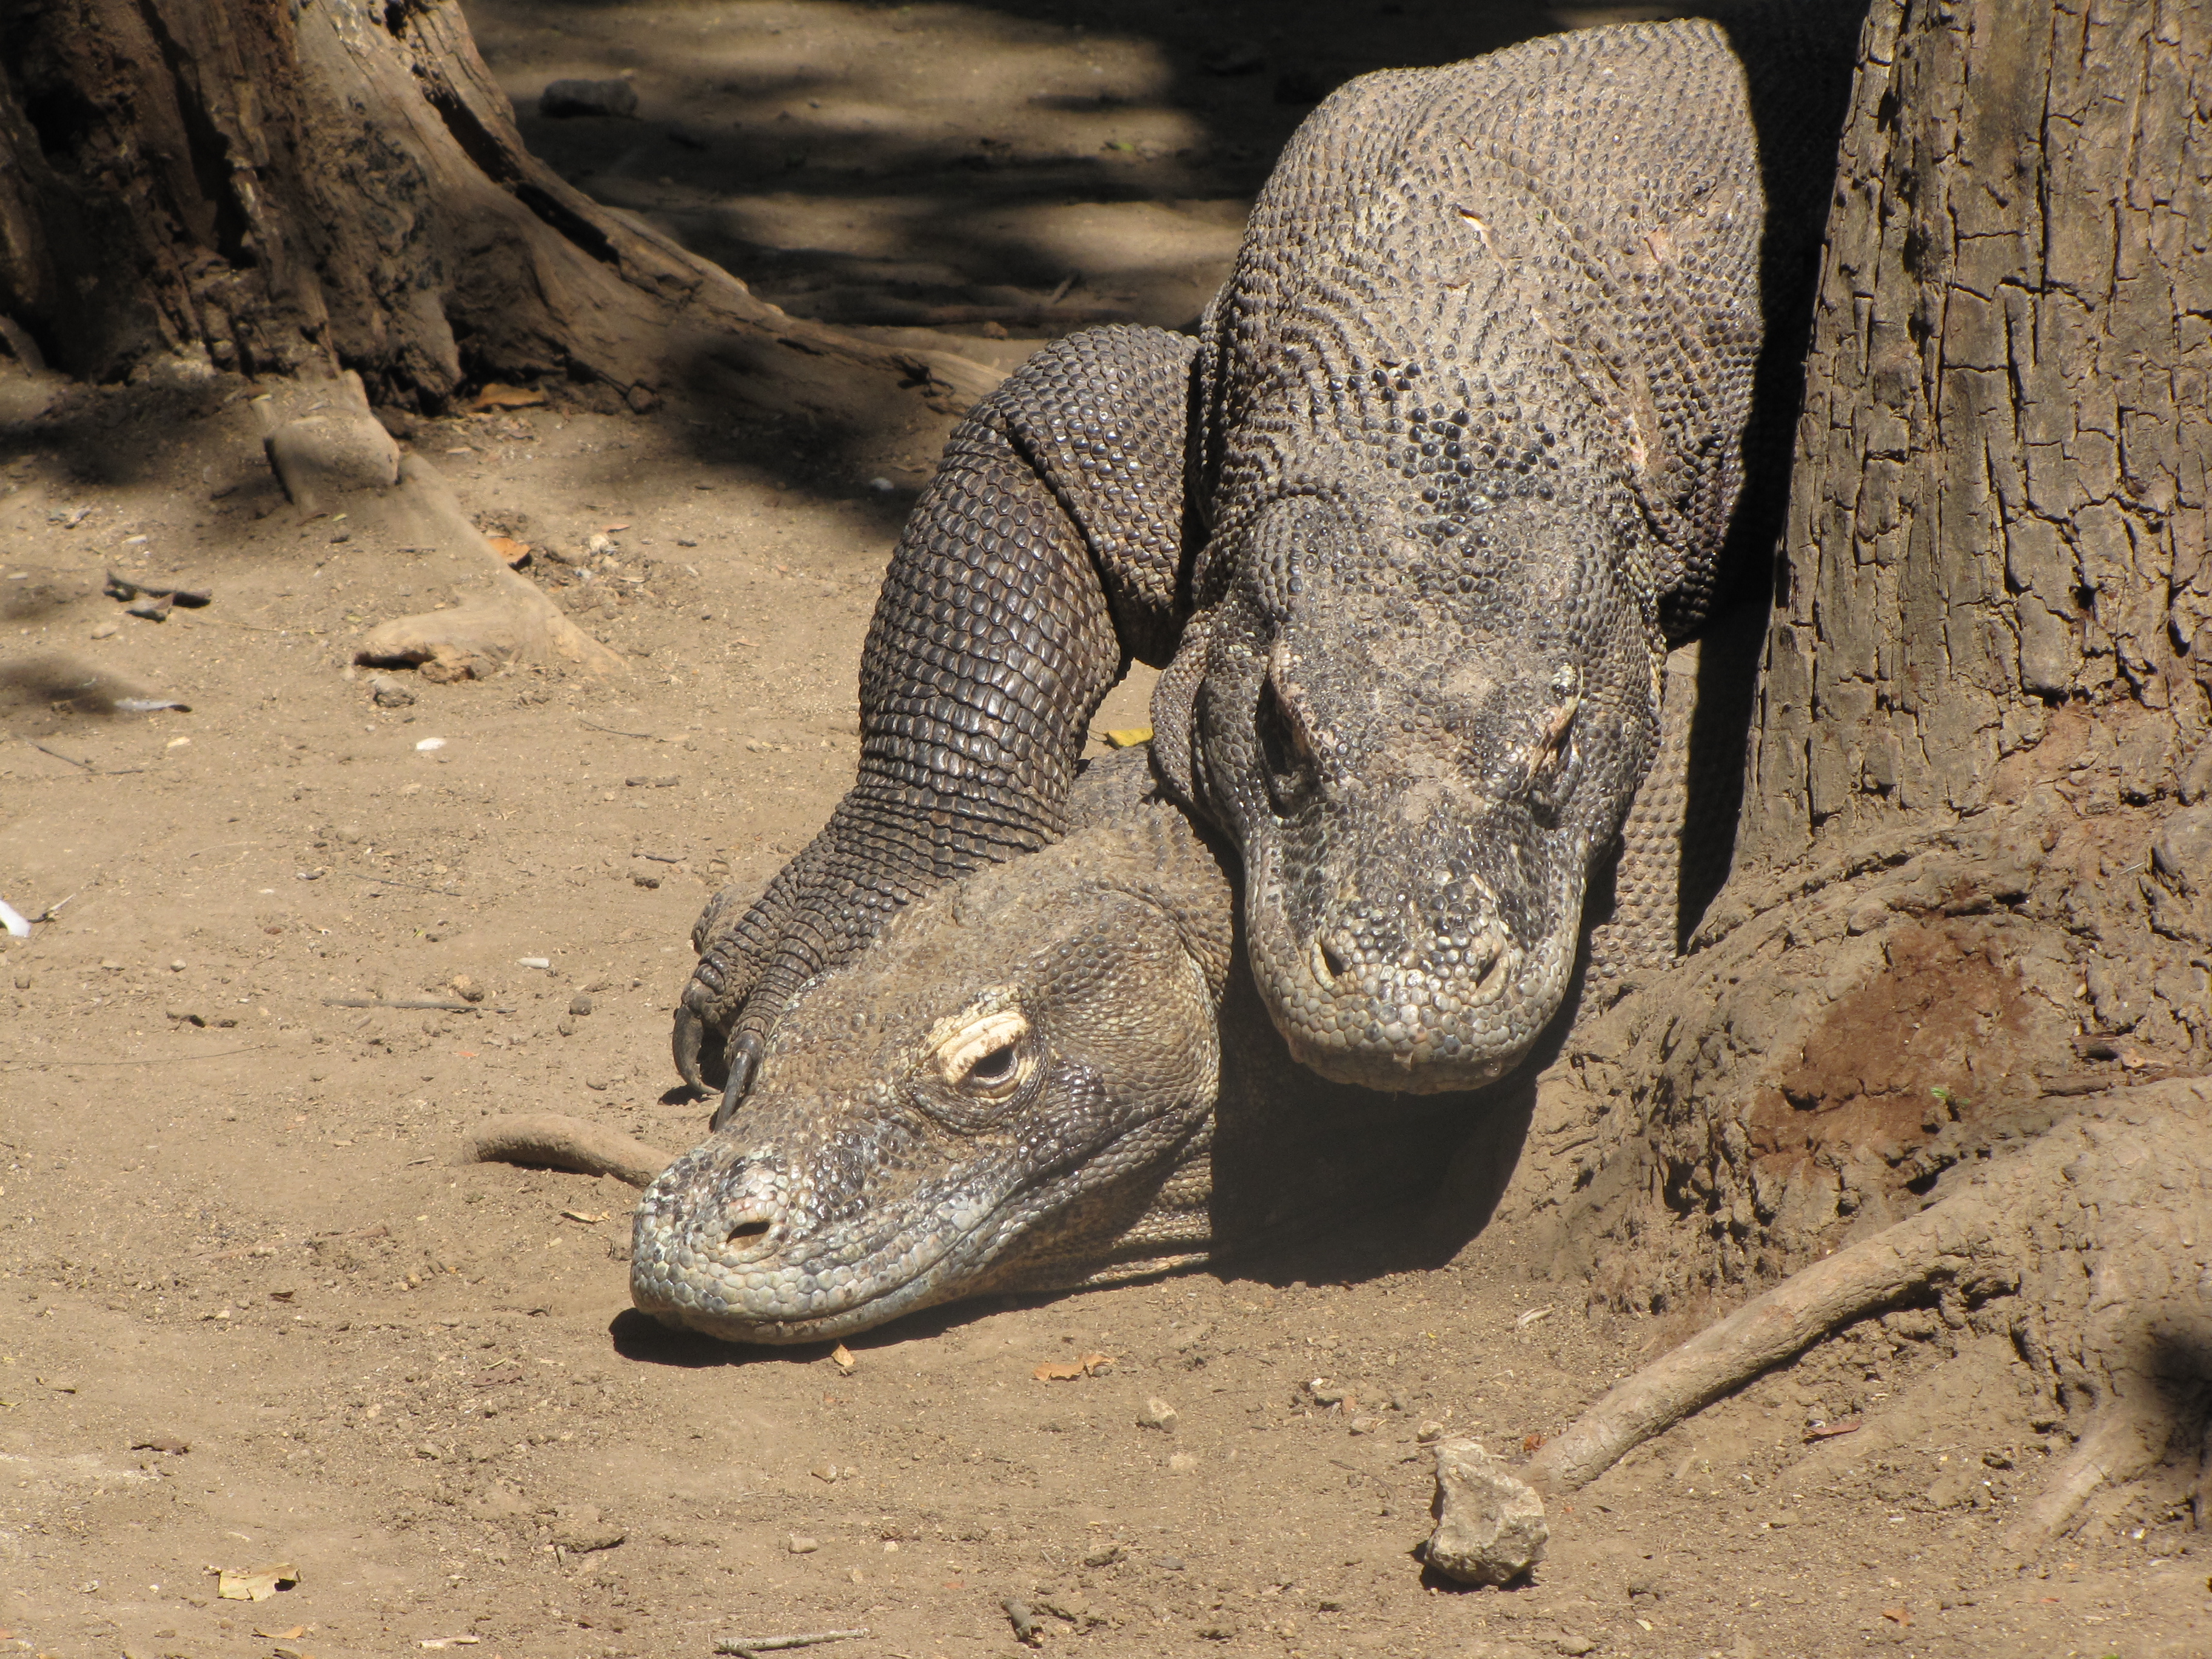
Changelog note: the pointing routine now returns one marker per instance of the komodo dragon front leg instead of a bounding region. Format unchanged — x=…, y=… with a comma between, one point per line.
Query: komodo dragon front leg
x=1046, y=552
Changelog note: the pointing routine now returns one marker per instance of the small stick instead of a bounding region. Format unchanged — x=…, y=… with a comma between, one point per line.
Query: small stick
x=153, y=1059
x=394, y=881
x=745, y=1646
x=612, y=732
x=442, y=1004
x=57, y=755
x=566, y=1143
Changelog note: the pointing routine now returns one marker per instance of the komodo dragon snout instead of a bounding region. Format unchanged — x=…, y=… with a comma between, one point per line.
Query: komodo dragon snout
x=994, y=1097
x=1420, y=762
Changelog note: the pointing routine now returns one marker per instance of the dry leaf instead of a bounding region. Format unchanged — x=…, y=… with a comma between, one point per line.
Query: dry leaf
x=449, y=1641
x=291, y=1635
x=587, y=1217
x=1896, y=1615
x=843, y=1360
x=507, y=547
x=1830, y=1431
x=258, y=1584
x=611, y=528
x=1088, y=1364
x=1128, y=737
x=497, y=396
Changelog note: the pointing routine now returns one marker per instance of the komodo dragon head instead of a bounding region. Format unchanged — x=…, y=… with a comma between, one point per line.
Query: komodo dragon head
x=1002, y=1094
x=1419, y=760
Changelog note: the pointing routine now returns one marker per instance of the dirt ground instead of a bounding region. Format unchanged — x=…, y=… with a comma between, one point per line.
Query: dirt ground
x=252, y=1312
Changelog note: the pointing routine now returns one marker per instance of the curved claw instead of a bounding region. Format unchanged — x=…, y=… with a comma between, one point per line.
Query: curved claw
x=684, y=1042
x=744, y=1055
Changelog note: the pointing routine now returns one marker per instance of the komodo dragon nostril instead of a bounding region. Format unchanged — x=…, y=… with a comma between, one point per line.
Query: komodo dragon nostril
x=1332, y=960
x=743, y=1233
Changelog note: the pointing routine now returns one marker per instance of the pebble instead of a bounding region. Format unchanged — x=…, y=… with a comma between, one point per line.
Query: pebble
x=799, y=1544
x=1430, y=1432
x=645, y=878
x=107, y=631
x=1363, y=1425
x=390, y=692
x=1158, y=1414
x=1182, y=1463
x=466, y=988
x=178, y=966
x=1574, y=1645
x=581, y=1003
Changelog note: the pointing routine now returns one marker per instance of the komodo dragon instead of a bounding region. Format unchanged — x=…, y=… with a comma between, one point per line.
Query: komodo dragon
x=1049, y=1073
x=1411, y=524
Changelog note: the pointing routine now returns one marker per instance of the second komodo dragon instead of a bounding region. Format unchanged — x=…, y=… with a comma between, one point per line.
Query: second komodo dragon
x=1054, y=1072
x=1411, y=524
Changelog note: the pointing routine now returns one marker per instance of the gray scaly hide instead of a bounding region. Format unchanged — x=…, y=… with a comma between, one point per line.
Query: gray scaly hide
x=1052, y=1072
x=1411, y=527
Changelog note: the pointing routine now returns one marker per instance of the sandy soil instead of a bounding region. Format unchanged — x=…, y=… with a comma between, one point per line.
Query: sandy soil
x=252, y=1312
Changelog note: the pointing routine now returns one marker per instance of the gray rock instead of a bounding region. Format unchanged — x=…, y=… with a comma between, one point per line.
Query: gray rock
x=1490, y=1523
x=579, y=97
x=1158, y=1414
x=389, y=691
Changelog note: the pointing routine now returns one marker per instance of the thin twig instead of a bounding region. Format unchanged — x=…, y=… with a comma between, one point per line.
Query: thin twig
x=616, y=732
x=57, y=755
x=418, y=1005
x=745, y=1646
x=394, y=881
x=157, y=1059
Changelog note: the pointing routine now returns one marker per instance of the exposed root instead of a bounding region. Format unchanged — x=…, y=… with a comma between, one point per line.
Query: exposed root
x=566, y=1143
x=336, y=456
x=2100, y=1231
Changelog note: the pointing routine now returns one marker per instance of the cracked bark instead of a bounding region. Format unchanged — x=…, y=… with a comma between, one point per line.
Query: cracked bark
x=1971, y=902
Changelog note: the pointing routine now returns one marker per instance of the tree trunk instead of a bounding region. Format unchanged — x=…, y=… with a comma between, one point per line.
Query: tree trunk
x=1969, y=896
x=284, y=188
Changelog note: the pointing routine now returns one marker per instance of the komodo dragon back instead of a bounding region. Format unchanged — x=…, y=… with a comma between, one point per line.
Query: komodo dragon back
x=1411, y=528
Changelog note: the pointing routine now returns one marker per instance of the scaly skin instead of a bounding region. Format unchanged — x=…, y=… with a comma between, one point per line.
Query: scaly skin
x=1411, y=528
x=1046, y=1074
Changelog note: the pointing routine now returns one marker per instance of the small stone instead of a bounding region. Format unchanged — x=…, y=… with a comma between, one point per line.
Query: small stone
x=1182, y=1463
x=600, y=545
x=1573, y=1644
x=106, y=630
x=799, y=1544
x=1430, y=1432
x=1158, y=1414
x=390, y=692
x=563, y=99
x=466, y=988
x=1490, y=1523
x=1363, y=1425
x=178, y=966
x=825, y=1472
x=645, y=878
x=581, y=1003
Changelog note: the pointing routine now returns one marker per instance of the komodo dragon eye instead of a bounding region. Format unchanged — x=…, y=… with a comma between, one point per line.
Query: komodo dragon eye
x=1286, y=756
x=982, y=1054
x=1555, y=759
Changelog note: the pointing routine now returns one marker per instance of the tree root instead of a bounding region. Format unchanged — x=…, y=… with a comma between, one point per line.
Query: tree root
x=335, y=455
x=2123, y=1191
x=566, y=1143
